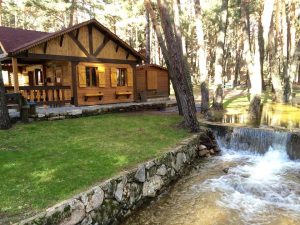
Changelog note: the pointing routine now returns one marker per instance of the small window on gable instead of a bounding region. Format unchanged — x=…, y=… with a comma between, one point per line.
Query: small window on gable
x=91, y=76
x=121, y=76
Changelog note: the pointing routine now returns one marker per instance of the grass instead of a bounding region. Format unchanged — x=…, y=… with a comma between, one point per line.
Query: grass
x=45, y=162
x=241, y=102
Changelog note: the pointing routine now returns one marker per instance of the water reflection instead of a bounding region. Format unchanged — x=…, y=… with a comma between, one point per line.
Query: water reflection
x=272, y=114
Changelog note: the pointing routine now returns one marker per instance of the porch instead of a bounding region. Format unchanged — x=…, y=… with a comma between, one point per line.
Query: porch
x=53, y=96
x=39, y=81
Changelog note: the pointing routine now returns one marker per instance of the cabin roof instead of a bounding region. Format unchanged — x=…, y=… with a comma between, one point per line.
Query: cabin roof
x=15, y=40
x=145, y=66
x=12, y=38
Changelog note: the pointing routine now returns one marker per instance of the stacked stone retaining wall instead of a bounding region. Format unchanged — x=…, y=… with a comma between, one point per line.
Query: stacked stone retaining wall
x=113, y=200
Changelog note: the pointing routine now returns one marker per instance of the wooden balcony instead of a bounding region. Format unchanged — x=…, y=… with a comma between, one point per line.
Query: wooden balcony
x=45, y=95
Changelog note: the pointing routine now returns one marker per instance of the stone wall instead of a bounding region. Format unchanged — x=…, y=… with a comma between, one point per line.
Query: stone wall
x=113, y=200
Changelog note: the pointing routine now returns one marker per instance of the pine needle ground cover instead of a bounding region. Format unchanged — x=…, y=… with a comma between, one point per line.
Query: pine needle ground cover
x=45, y=162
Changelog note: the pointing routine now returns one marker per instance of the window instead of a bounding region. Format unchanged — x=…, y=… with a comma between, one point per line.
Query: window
x=35, y=77
x=38, y=77
x=91, y=76
x=121, y=77
x=5, y=77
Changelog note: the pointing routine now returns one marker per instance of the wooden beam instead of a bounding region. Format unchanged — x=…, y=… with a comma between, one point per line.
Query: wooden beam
x=45, y=46
x=74, y=82
x=101, y=46
x=90, y=29
x=82, y=48
x=5, y=58
x=15, y=75
x=61, y=40
x=127, y=56
x=116, y=40
x=77, y=34
x=135, y=95
x=117, y=48
x=34, y=56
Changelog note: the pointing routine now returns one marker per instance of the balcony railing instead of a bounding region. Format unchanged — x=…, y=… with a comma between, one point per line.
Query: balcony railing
x=45, y=95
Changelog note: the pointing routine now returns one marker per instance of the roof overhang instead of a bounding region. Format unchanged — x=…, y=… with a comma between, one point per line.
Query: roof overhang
x=94, y=22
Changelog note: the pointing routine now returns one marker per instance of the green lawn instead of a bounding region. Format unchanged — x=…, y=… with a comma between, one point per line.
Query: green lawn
x=242, y=102
x=46, y=162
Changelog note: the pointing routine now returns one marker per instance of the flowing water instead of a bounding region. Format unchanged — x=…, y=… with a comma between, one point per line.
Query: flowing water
x=260, y=187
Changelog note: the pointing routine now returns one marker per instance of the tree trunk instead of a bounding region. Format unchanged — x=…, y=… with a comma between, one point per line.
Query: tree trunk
x=201, y=59
x=252, y=60
x=175, y=62
x=275, y=58
x=181, y=43
x=287, y=83
x=161, y=43
x=4, y=116
x=1, y=13
x=238, y=56
x=148, y=47
x=218, y=95
x=294, y=45
x=72, y=11
x=292, y=51
x=265, y=24
x=174, y=44
x=261, y=44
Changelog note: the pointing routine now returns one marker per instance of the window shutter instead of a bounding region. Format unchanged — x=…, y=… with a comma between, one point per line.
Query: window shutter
x=151, y=80
x=101, y=76
x=81, y=76
x=129, y=77
x=113, y=77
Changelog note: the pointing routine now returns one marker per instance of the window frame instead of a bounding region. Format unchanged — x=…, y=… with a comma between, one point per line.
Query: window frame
x=90, y=80
x=122, y=81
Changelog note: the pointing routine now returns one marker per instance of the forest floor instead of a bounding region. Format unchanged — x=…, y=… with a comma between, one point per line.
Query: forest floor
x=43, y=163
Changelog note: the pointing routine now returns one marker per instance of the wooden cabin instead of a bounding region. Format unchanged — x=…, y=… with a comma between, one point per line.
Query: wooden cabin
x=152, y=81
x=85, y=64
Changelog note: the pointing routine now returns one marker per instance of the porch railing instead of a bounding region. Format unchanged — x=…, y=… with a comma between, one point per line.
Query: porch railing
x=48, y=95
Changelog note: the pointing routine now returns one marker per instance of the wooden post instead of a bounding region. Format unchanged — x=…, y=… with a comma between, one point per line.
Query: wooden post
x=15, y=75
x=135, y=94
x=74, y=82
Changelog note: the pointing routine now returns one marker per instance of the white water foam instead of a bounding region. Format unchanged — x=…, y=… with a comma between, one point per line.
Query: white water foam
x=259, y=186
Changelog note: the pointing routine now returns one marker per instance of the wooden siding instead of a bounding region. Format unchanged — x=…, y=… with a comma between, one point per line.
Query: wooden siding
x=151, y=79
x=66, y=46
x=162, y=82
x=109, y=92
x=109, y=51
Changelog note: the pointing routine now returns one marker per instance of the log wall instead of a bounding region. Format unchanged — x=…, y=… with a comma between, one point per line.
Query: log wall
x=109, y=92
x=152, y=80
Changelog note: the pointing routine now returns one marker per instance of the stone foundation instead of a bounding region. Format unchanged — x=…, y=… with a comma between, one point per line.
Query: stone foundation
x=115, y=199
x=76, y=112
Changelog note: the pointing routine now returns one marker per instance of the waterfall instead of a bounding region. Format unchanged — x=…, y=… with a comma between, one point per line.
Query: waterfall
x=253, y=139
x=257, y=140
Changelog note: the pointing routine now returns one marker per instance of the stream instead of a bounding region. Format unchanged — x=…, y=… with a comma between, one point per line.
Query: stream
x=241, y=186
